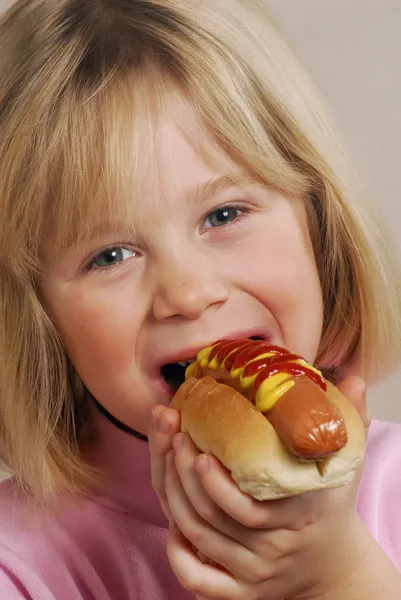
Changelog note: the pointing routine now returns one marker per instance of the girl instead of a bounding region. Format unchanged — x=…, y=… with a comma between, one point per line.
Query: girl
x=167, y=178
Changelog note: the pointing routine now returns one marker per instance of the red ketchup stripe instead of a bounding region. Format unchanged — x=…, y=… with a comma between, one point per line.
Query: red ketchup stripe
x=215, y=348
x=246, y=353
x=291, y=369
x=232, y=355
x=253, y=367
x=231, y=346
x=259, y=347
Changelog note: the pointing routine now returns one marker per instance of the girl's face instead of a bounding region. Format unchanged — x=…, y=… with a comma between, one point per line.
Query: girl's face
x=209, y=258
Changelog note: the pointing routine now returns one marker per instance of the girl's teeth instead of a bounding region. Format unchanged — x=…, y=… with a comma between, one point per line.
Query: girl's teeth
x=184, y=363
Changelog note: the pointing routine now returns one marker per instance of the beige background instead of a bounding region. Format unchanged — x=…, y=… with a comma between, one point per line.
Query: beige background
x=353, y=49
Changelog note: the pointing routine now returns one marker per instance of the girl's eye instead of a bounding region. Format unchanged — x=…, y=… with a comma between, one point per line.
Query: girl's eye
x=223, y=216
x=110, y=257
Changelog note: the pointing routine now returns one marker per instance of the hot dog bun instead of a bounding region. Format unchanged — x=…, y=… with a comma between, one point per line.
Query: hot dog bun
x=222, y=422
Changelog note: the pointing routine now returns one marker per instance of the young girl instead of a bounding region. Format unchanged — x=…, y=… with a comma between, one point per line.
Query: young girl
x=168, y=177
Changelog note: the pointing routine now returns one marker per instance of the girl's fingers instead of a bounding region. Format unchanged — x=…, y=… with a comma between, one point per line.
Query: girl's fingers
x=204, y=580
x=209, y=582
x=186, y=455
x=288, y=513
x=212, y=491
x=164, y=424
x=217, y=546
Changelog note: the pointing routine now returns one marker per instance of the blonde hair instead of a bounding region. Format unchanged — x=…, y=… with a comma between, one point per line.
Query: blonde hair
x=73, y=75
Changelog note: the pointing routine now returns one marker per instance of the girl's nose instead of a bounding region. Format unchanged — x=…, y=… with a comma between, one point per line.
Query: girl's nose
x=187, y=290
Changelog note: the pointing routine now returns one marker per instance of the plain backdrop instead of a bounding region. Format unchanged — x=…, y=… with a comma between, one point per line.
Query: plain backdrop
x=353, y=49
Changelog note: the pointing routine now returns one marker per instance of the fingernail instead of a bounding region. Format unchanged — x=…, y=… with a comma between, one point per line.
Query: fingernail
x=163, y=425
x=178, y=441
x=202, y=463
x=170, y=460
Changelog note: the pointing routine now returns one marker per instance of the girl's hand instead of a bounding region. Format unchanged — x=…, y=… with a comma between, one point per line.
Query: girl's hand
x=164, y=425
x=300, y=547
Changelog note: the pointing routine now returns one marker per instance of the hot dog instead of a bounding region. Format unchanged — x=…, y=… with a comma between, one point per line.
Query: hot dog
x=271, y=418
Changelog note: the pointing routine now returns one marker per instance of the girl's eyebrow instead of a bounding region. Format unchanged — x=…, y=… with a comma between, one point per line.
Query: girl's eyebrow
x=206, y=191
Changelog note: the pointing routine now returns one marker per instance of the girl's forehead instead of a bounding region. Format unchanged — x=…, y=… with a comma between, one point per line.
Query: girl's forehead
x=181, y=159
x=160, y=159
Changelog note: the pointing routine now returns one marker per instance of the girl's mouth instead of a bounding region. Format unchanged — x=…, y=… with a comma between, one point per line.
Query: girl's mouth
x=174, y=373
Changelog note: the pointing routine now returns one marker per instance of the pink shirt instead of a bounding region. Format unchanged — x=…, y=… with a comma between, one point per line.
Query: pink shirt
x=112, y=547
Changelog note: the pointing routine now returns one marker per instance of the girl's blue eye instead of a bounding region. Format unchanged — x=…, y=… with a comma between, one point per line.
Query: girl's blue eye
x=222, y=216
x=110, y=257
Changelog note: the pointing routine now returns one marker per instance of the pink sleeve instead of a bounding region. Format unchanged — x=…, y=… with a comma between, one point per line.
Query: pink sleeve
x=10, y=586
x=18, y=581
x=379, y=498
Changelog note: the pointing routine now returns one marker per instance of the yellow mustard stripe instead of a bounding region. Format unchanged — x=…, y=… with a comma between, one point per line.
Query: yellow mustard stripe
x=191, y=370
x=246, y=382
x=266, y=397
x=214, y=364
x=274, y=380
x=263, y=355
x=238, y=372
x=203, y=357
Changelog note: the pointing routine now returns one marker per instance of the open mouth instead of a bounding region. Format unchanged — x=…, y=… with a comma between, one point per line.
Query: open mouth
x=174, y=373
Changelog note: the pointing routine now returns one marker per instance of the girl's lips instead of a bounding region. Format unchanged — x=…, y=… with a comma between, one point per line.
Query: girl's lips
x=163, y=388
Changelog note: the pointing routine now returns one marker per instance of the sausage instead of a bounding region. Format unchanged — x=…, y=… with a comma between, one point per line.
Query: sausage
x=284, y=387
x=307, y=422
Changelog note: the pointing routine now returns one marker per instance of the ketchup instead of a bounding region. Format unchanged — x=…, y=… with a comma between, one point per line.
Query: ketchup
x=256, y=365
x=224, y=347
x=292, y=369
x=237, y=354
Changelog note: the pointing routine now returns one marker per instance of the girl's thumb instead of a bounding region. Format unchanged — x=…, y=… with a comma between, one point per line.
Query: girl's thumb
x=354, y=388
